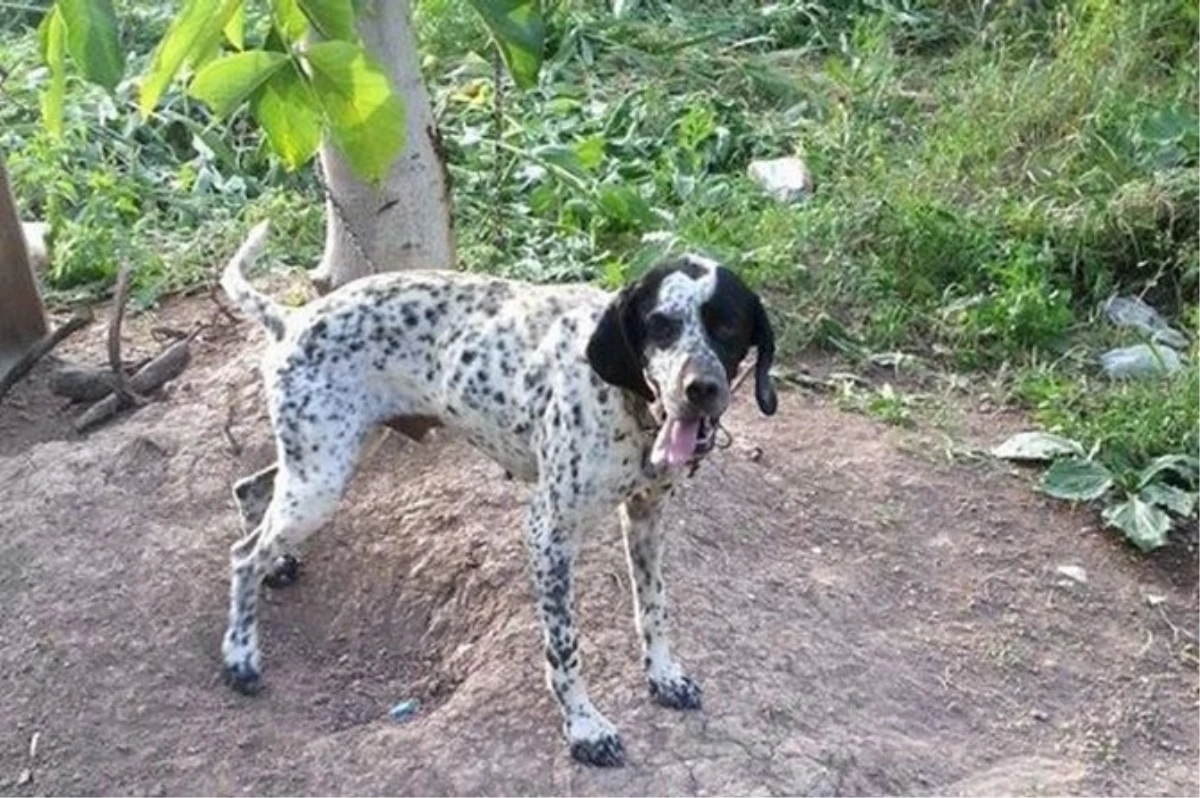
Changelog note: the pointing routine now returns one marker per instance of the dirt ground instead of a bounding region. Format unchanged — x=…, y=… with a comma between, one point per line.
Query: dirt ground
x=865, y=617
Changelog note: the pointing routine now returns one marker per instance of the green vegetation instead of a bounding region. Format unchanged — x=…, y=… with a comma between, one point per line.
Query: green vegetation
x=987, y=174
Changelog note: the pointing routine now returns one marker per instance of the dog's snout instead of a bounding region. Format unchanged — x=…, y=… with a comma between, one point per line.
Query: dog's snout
x=701, y=391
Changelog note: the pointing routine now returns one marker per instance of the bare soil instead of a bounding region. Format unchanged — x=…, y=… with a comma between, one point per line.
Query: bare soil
x=866, y=617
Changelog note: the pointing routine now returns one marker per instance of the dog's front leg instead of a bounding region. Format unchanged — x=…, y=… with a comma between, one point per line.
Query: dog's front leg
x=644, y=546
x=553, y=538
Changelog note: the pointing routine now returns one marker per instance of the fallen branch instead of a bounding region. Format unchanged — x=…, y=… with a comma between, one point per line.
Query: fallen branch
x=162, y=369
x=41, y=348
x=87, y=384
x=119, y=382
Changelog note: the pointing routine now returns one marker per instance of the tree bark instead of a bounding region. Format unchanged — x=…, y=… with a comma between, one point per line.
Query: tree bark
x=22, y=317
x=406, y=223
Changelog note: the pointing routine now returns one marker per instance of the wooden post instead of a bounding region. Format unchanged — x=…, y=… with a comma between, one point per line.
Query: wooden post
x=22, y=317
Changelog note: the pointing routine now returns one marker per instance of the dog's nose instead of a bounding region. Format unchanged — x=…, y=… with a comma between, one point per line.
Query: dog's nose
x=701, y=392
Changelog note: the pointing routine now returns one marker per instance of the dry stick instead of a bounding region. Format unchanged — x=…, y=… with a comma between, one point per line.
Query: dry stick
x=164, y=368
x=120, y=384
x=41, y=348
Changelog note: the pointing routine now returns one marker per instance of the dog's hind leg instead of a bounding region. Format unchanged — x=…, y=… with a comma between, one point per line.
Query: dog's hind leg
x=253, y=496
x=642, y=531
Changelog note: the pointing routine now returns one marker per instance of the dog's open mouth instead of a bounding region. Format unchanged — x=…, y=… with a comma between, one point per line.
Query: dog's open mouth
x=680, y=440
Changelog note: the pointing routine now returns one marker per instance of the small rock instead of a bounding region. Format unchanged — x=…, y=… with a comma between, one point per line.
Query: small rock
x=1154, y=599
x=405, y=710
x=1038, y=714
x=25, y=777
x=785, y=179
x=1072, y=572
x=33, y=745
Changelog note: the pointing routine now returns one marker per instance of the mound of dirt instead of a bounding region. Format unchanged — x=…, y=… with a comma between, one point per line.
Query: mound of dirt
x=864, y=617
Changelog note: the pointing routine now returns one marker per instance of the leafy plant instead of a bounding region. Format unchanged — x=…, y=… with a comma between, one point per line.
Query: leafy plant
x=297, y=91
x=1145, y=499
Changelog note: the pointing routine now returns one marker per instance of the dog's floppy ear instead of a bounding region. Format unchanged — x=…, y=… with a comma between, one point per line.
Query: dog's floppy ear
x=764, y=344
x=614, y=349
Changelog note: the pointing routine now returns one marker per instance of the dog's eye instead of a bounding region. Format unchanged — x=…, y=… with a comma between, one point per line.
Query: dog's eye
x=661, y=329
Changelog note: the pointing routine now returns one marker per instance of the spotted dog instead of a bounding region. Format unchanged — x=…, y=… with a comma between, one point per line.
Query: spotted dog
x=599, y=401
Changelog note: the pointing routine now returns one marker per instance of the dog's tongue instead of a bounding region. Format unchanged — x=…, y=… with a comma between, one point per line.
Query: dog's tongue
x=675, y=444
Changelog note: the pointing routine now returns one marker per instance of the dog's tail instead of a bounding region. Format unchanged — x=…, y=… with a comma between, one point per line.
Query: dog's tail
x=251, y=301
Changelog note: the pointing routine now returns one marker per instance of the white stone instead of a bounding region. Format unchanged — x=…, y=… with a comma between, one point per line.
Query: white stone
x=785, y=179
x=1072, y=572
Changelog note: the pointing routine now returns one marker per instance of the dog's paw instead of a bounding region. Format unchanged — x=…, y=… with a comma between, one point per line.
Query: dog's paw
x=678, y=692
x=242, y=677
x=594, y=741
x=284, y=571
x=604, y=751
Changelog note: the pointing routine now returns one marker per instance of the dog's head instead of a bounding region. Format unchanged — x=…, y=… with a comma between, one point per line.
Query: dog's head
x=676, y=338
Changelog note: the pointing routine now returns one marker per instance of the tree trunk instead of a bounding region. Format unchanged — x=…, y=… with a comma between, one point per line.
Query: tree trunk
x=22, y=318
x=405, y=223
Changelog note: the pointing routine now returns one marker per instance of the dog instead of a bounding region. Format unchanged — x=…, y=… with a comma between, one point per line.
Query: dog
x=599, y=401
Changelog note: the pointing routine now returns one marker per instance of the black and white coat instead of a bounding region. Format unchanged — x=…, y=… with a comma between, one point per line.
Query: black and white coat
x=599, y=401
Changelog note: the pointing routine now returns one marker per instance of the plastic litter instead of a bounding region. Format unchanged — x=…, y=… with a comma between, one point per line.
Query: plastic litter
x=1125, y=311
x=1140, y=361
x=405, y=710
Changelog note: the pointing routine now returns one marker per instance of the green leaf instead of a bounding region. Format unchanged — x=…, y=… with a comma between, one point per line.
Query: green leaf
x=1076, y=479
x=289, y=19
x=519, y=32
x=235, y=27
x=189, y=33
x=208, y=45
x=92, y=40
x=288, y=111
x=333, y=19
x=565, y=158
x=52, y=34
x=365, y=117
x=1183, y=465
x=1180, y=502
x=1144, y=524
x=590, y=152
x=224, y=83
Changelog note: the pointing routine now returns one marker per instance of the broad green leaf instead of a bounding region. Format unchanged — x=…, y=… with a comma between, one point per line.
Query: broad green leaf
x=288, y=111
x=1076, y=480
x=208, y=45
x=1183, y=465
x=590, y=152
x=92, y=40
x=1180, y=502
x=1036, y=447
x=189, y=33
x=235, y=27
x=565, y=158
x=1144, y=524
x=624, y=205
x=224, y=83
x=519, y=32
x=289, y=19
x=365, y=117
x=333, y=19
x=53, y=35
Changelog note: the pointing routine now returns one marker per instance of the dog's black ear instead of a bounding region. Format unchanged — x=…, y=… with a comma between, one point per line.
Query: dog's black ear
x=764, y=344
x=614, y=349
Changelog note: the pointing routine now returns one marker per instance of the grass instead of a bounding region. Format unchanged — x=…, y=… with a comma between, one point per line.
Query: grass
x=987, y=174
